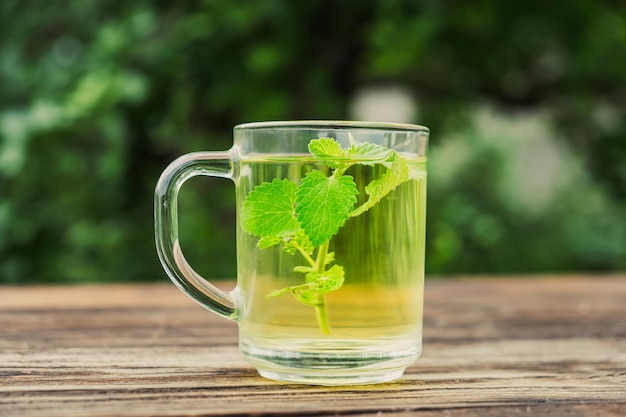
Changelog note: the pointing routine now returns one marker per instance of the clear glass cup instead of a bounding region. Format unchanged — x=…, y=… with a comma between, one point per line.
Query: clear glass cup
x=330, y=246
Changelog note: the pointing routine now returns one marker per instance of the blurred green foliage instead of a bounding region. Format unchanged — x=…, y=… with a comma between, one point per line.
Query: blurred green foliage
x=97, y=97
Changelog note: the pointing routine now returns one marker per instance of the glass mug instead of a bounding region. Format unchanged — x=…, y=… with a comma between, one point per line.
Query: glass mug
x=330, y=246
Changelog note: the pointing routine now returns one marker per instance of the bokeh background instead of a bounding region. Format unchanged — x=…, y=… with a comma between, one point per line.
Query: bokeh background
x=526, y=102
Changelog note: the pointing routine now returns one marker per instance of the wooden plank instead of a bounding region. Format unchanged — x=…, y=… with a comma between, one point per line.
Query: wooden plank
x=523, y=346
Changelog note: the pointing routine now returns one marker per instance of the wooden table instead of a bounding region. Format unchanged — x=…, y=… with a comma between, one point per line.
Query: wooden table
x=547, y=346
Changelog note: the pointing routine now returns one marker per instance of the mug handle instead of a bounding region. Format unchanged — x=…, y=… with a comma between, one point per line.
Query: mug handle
x=212, y=164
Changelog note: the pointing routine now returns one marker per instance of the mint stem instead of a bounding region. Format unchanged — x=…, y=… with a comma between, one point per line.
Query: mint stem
x=306, y=256
x=322, y=316
x=320, y=309
x=320, y=261
x=338, y=172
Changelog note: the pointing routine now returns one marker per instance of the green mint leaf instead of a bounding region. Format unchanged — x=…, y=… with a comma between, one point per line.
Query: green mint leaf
x=305, y=293
x=330, y=258
x=269, y=241
x=323, y=204
x=278, y=293
x=317, y=284
x=269, y=210
x=328, y=151
x=394, y=176
x=304, y=269
x=300, y=240
x=310, y=297
x=369, y=153
x=327, y=281
x=397, y=173
x=326, y=148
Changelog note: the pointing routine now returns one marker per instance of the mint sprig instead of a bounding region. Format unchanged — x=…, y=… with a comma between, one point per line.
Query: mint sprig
x=303, y=218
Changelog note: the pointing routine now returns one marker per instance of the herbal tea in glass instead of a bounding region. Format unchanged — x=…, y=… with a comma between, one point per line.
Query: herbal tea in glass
x=330, y=242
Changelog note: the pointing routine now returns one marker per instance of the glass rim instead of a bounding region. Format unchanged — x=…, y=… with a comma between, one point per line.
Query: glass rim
x=333, y=124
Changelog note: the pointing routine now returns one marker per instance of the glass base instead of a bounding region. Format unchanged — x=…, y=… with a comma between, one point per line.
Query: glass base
x=334, y=379
x=330, y=368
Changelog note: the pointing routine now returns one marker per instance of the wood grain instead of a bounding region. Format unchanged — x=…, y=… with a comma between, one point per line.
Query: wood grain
x=549, y=346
